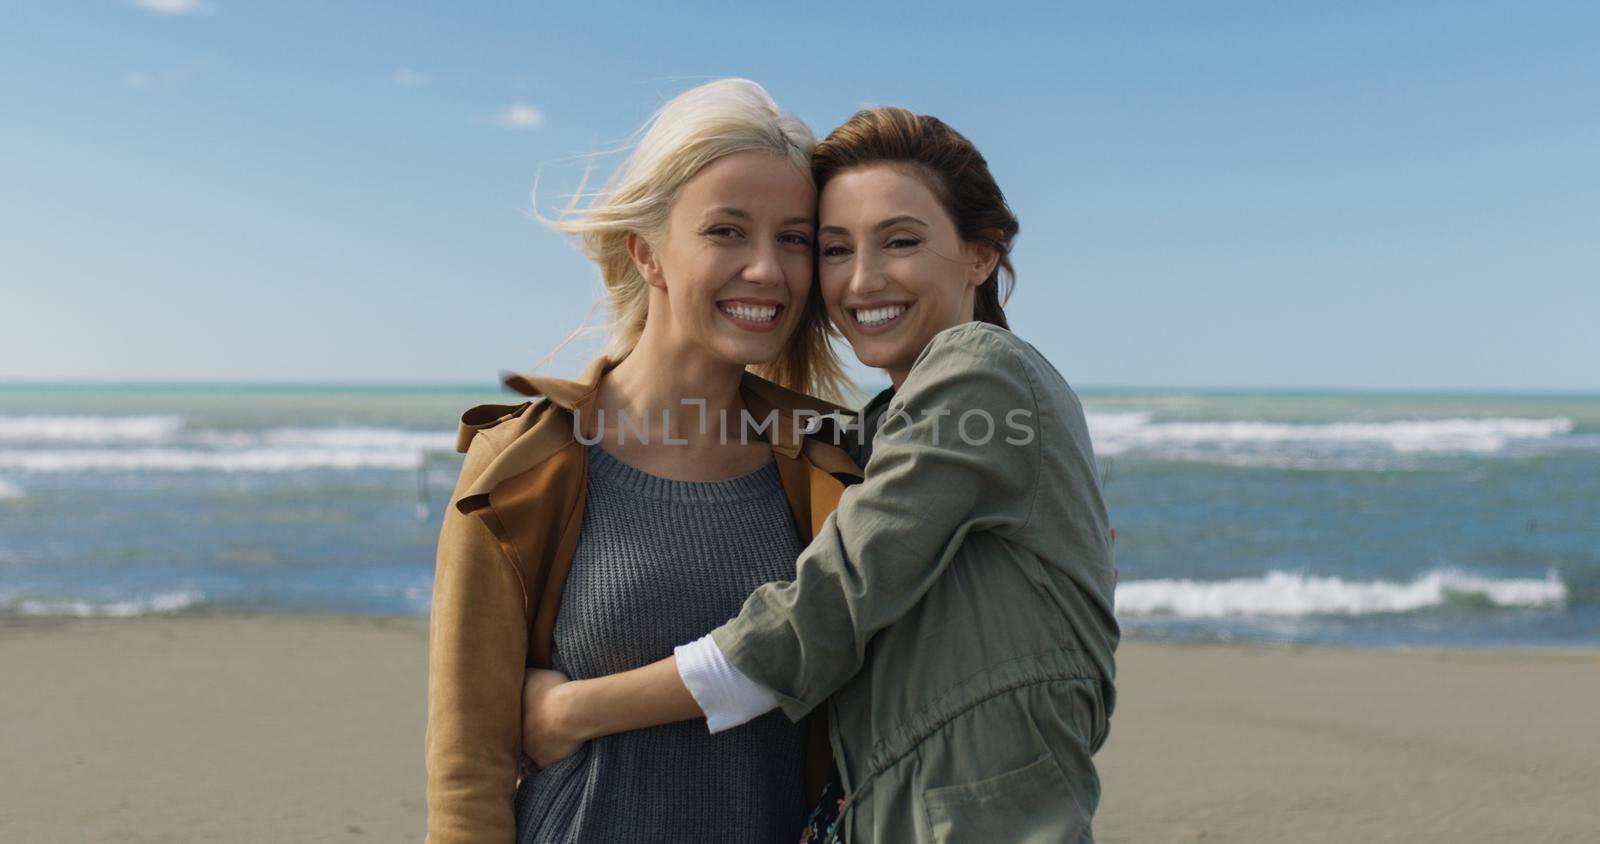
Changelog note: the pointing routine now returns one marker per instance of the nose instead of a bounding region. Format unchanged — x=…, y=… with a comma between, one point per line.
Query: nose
x=866, y=275
x=764, y=268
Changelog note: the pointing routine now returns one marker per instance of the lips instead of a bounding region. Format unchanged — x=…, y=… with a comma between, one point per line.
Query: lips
x=878, y=317
x=751, y=314
x=754, y=313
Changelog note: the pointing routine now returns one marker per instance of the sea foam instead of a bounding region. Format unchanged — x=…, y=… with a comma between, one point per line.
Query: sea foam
x=163, y=444
x=169, y=602
x=1290, y=594
x=89, y=429
x=190, y=460
x=1333, y=445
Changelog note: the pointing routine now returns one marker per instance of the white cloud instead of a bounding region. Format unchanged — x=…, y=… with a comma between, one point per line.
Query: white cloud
x=409, y=78
x=173, y=7
x=519, y=116
x=166, y=77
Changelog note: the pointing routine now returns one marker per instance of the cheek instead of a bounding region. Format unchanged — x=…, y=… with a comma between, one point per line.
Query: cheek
x=797, y=270
x=834, y=278
x=704, y=278
x=937, y=282
x=685, y=291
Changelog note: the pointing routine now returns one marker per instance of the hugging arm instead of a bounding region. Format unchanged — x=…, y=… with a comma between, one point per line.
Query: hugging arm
x=958, y=451
x=928, y=484
x=559, y=715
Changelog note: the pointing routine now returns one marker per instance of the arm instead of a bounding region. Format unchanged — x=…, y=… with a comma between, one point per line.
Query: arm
x=929, y=483
x=559, y=715
x=926, y=487
x=477, y=646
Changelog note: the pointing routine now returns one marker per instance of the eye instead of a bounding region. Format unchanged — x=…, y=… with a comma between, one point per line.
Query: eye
x=834, y=250
x=723, y=231
x=794, y=238
x=903, y=243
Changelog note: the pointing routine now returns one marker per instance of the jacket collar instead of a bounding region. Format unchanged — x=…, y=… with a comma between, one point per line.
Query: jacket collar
x=762, y=398
x=545, y=432
x=573, y=395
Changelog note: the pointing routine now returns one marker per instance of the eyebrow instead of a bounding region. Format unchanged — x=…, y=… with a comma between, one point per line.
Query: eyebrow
x=889, y=223
x=730, y=211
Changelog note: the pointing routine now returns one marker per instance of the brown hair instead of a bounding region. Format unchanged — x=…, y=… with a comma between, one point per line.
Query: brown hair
x=950, y=166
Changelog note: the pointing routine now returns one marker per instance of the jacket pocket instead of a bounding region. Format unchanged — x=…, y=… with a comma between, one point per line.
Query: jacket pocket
x=1032, y=803
x=1102, y=720
x=1085, y=699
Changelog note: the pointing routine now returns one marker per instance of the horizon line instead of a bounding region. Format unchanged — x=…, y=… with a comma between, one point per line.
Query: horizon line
x=292, y=384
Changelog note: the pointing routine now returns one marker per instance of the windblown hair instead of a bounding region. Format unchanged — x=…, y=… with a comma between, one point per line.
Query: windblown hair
x=951, y=167
x=691, y=131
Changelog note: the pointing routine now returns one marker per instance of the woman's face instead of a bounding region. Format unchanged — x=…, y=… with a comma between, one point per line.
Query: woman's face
x=735, y=266
x=894, y=271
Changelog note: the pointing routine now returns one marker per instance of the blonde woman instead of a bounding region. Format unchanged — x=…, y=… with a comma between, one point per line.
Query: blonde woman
x=622, y=513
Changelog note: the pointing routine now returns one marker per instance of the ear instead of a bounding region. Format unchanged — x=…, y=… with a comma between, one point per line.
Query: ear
x=980, y=260
x=645, y=261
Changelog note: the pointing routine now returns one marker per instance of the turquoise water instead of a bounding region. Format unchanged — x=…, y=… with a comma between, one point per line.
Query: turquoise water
x=1302, y=517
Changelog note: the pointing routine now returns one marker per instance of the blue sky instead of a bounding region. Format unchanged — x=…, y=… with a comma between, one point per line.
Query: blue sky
x=1354, y=194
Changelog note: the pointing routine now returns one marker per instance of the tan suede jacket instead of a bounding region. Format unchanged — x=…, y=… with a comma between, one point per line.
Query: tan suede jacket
x=507, y=542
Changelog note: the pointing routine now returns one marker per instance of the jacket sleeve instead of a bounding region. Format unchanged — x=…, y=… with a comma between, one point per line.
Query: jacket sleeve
x=477, y=648
x=932, y=478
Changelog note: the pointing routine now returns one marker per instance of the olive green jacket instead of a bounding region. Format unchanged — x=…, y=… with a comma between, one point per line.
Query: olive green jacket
x=955, y=610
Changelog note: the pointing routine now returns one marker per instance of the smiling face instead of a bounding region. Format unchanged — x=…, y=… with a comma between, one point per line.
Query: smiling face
x=731, y=276
x=894, y=270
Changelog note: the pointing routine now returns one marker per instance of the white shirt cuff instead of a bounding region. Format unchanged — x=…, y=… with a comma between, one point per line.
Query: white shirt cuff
x=727, y=697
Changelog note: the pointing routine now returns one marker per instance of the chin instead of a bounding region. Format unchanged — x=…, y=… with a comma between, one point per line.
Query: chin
x=747, y=354
x=875, y=352
x=873, y=359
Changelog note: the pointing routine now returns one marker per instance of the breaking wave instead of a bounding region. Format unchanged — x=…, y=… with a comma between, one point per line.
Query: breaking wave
x=89, y=429
x=47, y=444
x=1351, y=445
x=1287, y=594
x=159, y=604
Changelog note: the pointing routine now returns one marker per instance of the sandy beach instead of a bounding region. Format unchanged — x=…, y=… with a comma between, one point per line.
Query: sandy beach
x=288, y=729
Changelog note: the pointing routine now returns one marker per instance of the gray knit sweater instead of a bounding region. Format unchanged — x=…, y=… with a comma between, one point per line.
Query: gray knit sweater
x=659, y=563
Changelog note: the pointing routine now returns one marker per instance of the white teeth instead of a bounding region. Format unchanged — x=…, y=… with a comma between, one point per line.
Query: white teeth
x=879, y=316
x=754, y=313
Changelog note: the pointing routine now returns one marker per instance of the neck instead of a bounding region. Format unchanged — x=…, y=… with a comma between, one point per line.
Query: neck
x=656, y=379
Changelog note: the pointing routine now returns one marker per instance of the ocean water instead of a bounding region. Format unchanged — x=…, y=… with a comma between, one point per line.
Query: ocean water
x=1284, y=517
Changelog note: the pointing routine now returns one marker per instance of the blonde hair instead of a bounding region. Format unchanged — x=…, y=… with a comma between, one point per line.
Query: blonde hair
x=691, y=131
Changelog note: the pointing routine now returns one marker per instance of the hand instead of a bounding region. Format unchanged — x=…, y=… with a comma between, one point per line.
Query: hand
x=546, y=738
